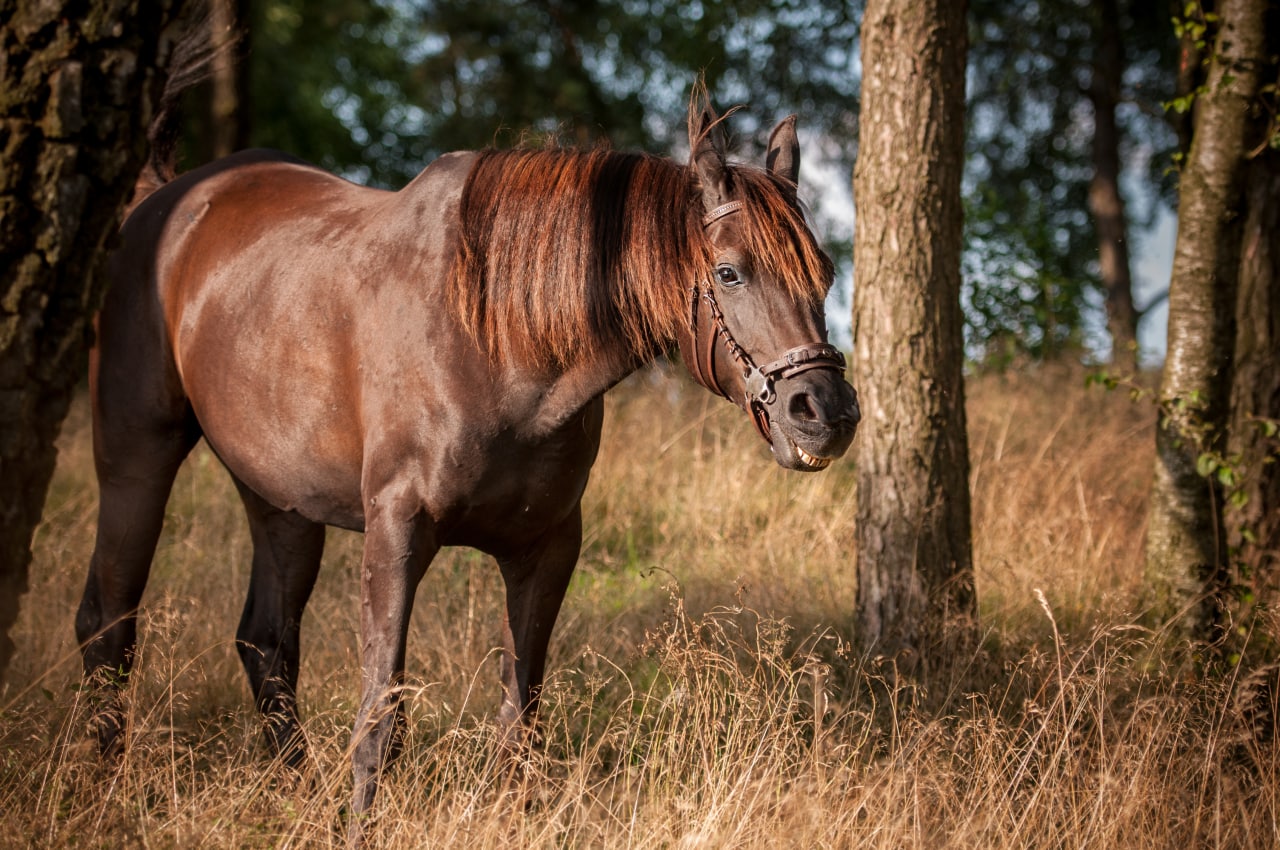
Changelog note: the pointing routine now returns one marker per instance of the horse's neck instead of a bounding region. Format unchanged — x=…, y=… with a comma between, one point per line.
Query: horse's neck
x=551, y=401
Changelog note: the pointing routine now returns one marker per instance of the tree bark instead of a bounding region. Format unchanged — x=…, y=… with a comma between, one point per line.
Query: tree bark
x=915, y=595
x=77, y=88
x=1186, y=546
x=1105, y=200
x=1253, y=519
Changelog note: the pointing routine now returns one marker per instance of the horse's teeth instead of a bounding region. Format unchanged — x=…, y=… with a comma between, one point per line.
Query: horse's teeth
x=811, y=461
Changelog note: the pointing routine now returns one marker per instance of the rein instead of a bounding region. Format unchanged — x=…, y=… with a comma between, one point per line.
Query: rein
x=757, y=380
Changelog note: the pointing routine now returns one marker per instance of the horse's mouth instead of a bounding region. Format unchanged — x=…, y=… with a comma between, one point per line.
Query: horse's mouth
x=812, y=462
x=790, y=455
x=803, y=460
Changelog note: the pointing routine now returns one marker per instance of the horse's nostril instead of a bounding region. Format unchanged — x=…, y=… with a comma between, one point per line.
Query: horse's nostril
x=801, y=407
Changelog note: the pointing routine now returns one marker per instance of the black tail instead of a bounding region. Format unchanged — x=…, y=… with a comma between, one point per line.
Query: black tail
x=191, y=59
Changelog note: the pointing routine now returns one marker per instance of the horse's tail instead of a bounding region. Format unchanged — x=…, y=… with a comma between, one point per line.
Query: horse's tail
x=190, y=62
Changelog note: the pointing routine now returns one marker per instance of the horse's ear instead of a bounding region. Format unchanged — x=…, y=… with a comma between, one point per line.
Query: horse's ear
x=783, y=159
x=707, y=146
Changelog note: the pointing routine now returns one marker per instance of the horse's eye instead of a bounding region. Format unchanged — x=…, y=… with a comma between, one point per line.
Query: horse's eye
x=728, y=275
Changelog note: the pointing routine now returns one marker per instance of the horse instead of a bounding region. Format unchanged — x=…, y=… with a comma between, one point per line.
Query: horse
x=427, y=366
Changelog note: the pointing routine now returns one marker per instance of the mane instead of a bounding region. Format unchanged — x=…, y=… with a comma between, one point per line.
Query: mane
x=565, y=253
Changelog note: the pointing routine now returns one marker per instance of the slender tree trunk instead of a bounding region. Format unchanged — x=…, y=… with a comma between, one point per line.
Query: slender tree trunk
x=229, y=75
x=1186, y=545
x=915, y=568
x=79, y=84
x=1105, y=201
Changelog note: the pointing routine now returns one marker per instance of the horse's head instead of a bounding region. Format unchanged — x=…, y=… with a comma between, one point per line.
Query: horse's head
x=757, y=332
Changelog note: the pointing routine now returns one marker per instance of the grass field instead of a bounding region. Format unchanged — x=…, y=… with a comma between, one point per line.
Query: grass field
x=705, y=689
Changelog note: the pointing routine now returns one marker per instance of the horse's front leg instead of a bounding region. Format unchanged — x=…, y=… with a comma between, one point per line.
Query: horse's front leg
x=536, y=583
x=400, y=542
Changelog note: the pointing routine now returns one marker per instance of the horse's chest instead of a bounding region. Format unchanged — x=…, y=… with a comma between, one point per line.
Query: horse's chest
x=523, y=489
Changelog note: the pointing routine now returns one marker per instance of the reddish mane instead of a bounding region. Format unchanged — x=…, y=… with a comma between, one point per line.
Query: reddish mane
x=564, y=252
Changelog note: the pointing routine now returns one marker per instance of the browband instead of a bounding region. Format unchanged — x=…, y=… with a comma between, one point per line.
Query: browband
x=722, y=211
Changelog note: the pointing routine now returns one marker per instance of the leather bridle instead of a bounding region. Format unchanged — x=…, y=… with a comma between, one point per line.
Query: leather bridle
x=757, y=380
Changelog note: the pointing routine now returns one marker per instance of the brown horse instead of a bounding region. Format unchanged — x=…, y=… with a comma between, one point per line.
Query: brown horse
x=427, y=366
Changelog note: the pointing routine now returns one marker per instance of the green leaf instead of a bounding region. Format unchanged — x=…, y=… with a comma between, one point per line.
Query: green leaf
x=1206, y=465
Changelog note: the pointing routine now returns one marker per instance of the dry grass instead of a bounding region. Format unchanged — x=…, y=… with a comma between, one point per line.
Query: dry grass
x=705, y=690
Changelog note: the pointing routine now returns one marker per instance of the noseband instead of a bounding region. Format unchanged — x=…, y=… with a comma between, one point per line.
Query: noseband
x=757, y=380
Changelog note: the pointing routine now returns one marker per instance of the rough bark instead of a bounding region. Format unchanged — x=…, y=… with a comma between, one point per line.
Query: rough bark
x=915, y=595
x=77, y=84
x=1105, y=201
x=1186, y=546
x=1254, y=444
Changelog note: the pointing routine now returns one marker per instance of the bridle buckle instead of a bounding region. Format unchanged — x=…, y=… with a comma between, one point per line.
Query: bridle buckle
x=759, y=386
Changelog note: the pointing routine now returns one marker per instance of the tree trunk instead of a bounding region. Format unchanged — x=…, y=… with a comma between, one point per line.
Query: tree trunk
x=1105, y=201
x=1253, y=520
x=915, y=593
x=78, y=85
x=229, y=103
x=1186, y=546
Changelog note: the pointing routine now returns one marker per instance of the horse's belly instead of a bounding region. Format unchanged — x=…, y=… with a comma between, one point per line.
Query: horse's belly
x=303, y=473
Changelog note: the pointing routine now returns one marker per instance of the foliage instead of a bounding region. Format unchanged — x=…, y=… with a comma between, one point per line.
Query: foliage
x=376, y=90
x=1031, y=261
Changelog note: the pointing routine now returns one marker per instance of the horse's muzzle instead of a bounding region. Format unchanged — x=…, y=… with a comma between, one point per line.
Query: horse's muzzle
x=813, y=420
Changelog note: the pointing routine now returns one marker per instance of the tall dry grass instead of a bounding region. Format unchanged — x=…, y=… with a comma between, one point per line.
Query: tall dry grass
x=705, y=690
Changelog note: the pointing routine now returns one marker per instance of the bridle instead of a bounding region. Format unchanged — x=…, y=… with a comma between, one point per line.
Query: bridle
x=757, y=380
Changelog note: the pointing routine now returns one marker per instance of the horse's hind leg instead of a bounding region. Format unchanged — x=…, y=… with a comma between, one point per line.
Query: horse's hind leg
x=136, y=459
x=286, y=560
